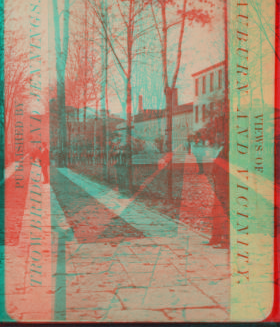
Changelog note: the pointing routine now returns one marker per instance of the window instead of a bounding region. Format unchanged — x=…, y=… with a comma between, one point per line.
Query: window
x=221, y=105
x=220, y=78
x=196, y=114
x=203, y=84
x=211, y=107
x=196, y=87
x=211, y=82
x=203, y=112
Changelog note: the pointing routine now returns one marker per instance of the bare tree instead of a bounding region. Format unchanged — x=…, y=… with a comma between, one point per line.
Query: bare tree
x=193, y=13
x=120, y=37
x=84, y=68
x=61, y=49
x=189, y=11
x=16, y=72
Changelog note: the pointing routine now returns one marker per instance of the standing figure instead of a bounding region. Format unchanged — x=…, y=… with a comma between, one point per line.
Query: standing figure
x=220, y=231
x=198, y=151
x=44, y=158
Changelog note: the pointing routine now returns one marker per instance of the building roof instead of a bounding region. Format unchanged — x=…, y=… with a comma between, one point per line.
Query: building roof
x=188, y=107
x=150, y=114
x=205, y=70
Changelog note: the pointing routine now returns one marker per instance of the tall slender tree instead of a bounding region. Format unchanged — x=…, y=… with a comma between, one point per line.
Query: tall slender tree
x=104, y=103
x=86, y=43
x=199, y=13
x=121, y=38
x=61, y=50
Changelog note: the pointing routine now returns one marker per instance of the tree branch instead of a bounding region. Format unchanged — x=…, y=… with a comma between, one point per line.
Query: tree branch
x=179, y=53
x=156, y=24
x=118, y=5
x=109, y=40
x=66, y=31
x=57, y=29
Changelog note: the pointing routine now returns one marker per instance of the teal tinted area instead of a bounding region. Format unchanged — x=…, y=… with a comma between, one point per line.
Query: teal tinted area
x=3, y=315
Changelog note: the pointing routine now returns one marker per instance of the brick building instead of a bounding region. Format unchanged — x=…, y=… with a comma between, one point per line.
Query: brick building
x=150, y=125
x=208, y=105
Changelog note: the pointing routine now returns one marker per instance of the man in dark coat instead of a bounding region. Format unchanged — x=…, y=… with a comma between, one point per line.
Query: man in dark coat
x=44, y=158
x=220, y=230
x=199, y=153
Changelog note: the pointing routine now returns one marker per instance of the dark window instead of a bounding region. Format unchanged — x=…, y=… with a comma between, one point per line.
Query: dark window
x=220, y=78
x=204, y=84
x=203, y=112
x=220, y=106
x=196, y=114
x=196, y=86
x=211, y=82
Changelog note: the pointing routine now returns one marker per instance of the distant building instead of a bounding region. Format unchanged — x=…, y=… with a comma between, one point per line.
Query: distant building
x=150, y=125
x=182, y=124
x=209, y=85
x=80, y=134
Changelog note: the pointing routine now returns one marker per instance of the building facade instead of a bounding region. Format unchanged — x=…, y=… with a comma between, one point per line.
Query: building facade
x=150, y=125
x=209, y=87
x=83, y=136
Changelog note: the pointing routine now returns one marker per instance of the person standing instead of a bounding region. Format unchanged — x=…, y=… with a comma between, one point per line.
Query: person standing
x=44, y=159
x=198, y=151
x=220, y=211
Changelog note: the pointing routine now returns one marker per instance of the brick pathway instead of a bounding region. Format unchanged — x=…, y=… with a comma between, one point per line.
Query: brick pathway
x=29, y=260
x=163, y=273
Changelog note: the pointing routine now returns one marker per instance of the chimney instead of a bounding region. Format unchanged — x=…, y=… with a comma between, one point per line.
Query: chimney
x=175, y=98
x=140, y=103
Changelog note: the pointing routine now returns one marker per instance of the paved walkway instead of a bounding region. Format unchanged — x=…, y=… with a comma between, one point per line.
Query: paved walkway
x=178, y=157
x=160, y=272
x=28, y=262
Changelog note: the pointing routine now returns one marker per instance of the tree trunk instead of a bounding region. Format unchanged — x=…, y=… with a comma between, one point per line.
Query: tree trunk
x=85, y=124
x=164, y=47
x=104, y=51
x=129, y=105
x=128, y=134
x=62, y=121
x=79, y=133
x=169, y=105
x=94, y=140
x=85, y=73
x=61, y=58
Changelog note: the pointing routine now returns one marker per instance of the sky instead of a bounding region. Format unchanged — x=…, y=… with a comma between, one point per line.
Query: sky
x=203, y=46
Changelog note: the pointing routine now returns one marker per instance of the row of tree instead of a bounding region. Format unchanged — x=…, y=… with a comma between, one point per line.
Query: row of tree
x=96, y=39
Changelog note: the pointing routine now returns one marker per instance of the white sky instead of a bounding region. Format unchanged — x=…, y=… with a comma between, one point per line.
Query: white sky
x=202, y=47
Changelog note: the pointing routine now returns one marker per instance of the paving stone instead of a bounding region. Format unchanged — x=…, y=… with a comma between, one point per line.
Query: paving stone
x=94, y=250
x=95, y=266
x=91, y=299
x=102, y=282
x=136, y=316
x=116, y=267
x=164, y=276
x=141, y=279
x=130, y=258
x=219, y=290
x=145, y=250
x=153, y=259
x=132, y=297
x=124, y=250
x=209, y=315
x=138, y=267
x=176, y=296
x=167, y=275
x=89, y=315
x=163, y=297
